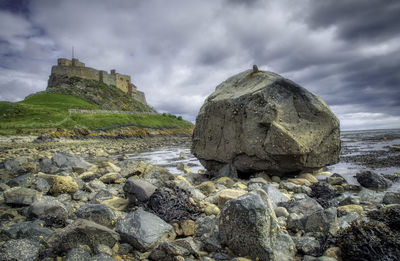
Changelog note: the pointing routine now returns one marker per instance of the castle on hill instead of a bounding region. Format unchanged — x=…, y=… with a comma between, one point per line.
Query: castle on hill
x=76, y=68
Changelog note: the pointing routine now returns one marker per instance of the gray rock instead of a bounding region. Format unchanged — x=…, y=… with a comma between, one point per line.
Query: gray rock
x=336, y=179
x=144, y=230
x=103, y=249
x=63, y=162
x=98, y=213
x=82, y=232
x=33, y=230
x=371, y=196
x=391, y=198
x=41, y=185
x=275, y=195
x=16, y=166
x=370, y=179
x=304, y=206
x=25, y=180
x=324, y=220
x=350, y=200
x=138, y=190
x=208, y=232
x=102, y=257
x=228, y=171
x=21, y=196
x=281, y=212
x=321, y=258
x=167, y=251
x=19, y=249
x=345, y=221
x=248, y=226
x=77, y=254
x=307, y=245
x=262, y=122
x=124, y=248
x=48, y=207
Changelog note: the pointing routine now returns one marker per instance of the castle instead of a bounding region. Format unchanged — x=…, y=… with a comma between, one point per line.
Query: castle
x=75, y=68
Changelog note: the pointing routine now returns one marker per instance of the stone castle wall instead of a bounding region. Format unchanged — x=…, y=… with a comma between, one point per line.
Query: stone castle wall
x=75, y=68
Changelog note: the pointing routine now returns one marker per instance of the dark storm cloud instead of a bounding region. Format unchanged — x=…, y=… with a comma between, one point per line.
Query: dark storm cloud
x=178, y=51
x=358, y=19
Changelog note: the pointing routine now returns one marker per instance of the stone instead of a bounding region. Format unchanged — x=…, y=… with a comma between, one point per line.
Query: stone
x=322, y=221
x=276, y=179
x=100, y=248
x=16, y=166
x=48, y=207
x=304, y=206
x=144, y=230
x=188, y=227
x=25, y=180
x=351, y=208
x=367, y=195
x=116, y=203
x=60, y=184
x=391, y=198
x=110, y=177
x=98, y=213
x=307, y=245
x=370, y=179
x=19, y=249
x=248, y=226
x=281, y=212
x=211, y=209
x=82, y=232
x=264, y=122
x=226, y=181
x=300, y=181
x=275, y=195
x=139, y=190
x=21, y=196
x=33, y=230
x=310, y=177
x=207, y=187
x=102, y=257
x=41, y=185
x=167, y=251
x=225, y=195
x=78, y=254
x=64, y=162
x=321, y=258
x=345, y=221
x=336, y=179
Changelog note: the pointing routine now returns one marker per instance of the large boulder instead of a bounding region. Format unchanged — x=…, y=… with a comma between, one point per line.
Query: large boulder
x=258, y=121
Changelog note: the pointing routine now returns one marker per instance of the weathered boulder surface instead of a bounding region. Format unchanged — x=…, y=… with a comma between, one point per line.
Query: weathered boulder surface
x=249, y=227
x=261, y=121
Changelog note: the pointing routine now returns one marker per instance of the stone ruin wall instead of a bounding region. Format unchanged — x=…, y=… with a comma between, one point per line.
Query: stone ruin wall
x=75, y=68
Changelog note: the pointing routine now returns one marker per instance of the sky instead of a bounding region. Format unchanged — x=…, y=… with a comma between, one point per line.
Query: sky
x=178, y=51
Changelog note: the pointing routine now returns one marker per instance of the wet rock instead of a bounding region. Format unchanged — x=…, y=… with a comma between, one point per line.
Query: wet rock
x=48, y=207
x=98, y=213
x=116, y=203
x=144, y=230
x=262, y=122
x=370, y=179
x=391, y=198
x=82, y=232
x=60, y=184
x=19, y=249
x=248, y=226
x=33, y=230
x=367, y=195
x=335, y=179
x=275, y=195
x=307, y=245
x=78, y=254
x=227, y=194
x=305, y=205
x=25, y=180
x=138, y=190
x=21, y=196
x=63, y=162
x=351, y=208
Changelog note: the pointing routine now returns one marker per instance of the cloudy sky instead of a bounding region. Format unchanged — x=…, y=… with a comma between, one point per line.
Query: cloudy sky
x=178, y=51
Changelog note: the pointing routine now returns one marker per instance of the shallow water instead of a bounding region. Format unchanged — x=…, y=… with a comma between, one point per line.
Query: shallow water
x=353, y=143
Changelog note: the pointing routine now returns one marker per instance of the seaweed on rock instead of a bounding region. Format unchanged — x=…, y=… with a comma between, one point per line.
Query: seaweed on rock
x=173, y=205
x=378, y=239
x=324, y=194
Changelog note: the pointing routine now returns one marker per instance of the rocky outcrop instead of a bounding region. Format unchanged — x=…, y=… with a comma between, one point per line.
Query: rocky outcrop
x=261, y=121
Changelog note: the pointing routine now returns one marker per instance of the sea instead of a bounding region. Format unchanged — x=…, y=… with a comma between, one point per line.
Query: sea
x=376, y=150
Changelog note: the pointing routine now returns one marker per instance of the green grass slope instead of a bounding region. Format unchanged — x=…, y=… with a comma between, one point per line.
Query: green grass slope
x=50, y=110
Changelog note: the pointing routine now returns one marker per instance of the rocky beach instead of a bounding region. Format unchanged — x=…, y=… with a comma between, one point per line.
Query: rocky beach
x=111, y=198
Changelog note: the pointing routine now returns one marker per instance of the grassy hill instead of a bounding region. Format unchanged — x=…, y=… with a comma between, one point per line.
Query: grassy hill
x=50, y=110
